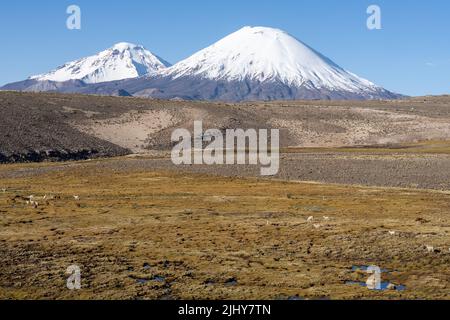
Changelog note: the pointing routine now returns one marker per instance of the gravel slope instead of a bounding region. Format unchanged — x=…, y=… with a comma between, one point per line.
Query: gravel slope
x=45, y=126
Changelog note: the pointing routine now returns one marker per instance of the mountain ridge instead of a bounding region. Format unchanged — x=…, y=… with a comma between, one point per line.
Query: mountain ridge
x=253, y=63
x=122, y=61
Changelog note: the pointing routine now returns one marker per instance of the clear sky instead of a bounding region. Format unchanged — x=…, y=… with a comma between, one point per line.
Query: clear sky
x=410, y=55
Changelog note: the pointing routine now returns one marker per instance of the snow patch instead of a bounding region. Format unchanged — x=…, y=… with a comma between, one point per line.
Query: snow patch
x=267, y=54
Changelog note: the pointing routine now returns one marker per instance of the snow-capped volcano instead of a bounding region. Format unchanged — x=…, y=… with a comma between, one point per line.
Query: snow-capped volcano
x=253, y=63
x=122, y=61
x=268, y=55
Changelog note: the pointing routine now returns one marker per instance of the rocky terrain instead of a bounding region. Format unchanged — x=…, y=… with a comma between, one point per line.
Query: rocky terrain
x=45, y=126
x=360, y=183
x=33, y=129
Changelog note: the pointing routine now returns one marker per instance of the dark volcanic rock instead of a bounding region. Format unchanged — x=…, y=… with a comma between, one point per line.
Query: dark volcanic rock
x=31, y=85
x=32, y=129
x=195, y=88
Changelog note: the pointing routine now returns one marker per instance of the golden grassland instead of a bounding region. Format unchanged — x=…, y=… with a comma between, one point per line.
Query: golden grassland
x=165, y=235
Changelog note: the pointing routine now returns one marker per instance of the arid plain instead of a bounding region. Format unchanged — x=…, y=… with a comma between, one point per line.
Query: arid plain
x=360, y=184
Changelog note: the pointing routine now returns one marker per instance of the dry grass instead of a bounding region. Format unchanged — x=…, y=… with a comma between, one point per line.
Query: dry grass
x=200, y=232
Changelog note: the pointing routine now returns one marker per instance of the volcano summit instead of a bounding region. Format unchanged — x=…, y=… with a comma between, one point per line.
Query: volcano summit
x=254, y=63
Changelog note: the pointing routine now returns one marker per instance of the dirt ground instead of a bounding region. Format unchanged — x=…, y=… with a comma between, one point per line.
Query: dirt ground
x=155, y=234
x=417, y=166
x=360, y=184
x=50, y=126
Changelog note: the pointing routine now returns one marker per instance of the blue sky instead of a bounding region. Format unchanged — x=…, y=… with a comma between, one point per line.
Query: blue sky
x=410, y=55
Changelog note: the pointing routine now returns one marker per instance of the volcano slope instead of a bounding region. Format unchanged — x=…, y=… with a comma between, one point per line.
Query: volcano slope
x=40, y=122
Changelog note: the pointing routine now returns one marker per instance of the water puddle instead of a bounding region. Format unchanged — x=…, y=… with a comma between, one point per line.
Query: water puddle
x=364, y=268
x=159, y=279
x=147, y=266
x=210, y=282
x=168, y=297
x=142, y=281
x=231, y=282
x=384, y=285
x=146, y=280
x=295, y=298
